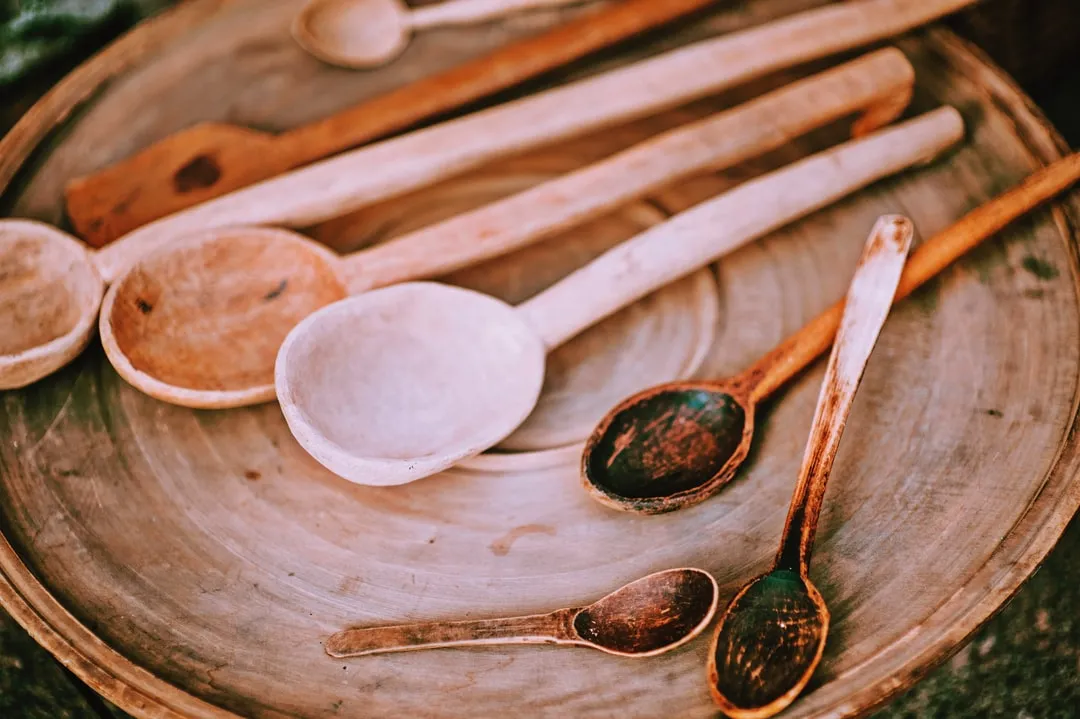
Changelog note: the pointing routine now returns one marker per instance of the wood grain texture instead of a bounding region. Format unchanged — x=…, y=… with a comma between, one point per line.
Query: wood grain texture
x=181, y=562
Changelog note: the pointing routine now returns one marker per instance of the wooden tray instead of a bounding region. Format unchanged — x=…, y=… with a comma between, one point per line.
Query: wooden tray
x=189, y=563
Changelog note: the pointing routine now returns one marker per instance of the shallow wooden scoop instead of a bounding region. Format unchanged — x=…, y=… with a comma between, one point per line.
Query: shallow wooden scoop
x=203, y=163
x=677, y=444
x=370, y=33
x=199, y=322
x=645, y=618
x=402, y=382
x=771, y=636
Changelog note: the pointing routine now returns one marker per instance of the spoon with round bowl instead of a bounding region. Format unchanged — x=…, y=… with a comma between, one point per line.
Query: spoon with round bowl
x=370, y=33
x=402, y=382
x=677, y=444
x=771, y=636
x=645, y=618
x=199, y=322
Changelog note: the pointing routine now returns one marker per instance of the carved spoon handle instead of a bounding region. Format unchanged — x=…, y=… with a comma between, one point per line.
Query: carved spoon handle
x=468, y=12
x=865, y=310
x=553, y=628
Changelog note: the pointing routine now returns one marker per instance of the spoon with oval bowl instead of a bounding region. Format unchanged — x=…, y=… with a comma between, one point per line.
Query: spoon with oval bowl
x=402, y=382
x=676, y=444
x=644, y=618
x=199, y=322
x=370, y=33
x=772, y=634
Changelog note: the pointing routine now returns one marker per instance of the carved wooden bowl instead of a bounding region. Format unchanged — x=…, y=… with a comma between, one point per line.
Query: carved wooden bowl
x=190, y=563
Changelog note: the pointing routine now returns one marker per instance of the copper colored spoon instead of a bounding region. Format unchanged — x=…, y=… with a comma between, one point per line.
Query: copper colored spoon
x=649, y=616
x=677, y=444
x=770, y=638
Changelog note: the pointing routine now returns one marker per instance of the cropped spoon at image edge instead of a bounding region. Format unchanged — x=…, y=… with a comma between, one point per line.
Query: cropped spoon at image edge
x=644, y=618
x=677, y=444
x=772, y=634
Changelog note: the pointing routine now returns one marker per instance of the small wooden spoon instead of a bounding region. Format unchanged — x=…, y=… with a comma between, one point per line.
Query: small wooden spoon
x=199, y=322
x=677, y=444
x=644, y=618
x=370, y=33
x=448, y=373
x=770, y=638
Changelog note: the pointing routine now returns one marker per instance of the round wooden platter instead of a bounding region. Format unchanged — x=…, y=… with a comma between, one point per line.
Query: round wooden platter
x=190, y=563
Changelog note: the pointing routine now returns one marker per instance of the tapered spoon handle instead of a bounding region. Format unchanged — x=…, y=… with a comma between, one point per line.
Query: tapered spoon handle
x=706, y=232
x=794, y=354
x=554, y=628
x=877, y=86
x=866, y=306
x=469, y=12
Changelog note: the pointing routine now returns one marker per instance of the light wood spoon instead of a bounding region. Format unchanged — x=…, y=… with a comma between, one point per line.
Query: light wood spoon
x=370, y=33
x=402, y=382
x=677, y=444
x=770, y=638
x=199, y=323
x=645, y=618
x=349, y=181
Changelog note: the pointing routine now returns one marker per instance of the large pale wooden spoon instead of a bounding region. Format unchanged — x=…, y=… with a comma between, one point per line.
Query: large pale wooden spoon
x=770, y=638
x=644, y=618
x=402, y=382
x=370, y=33
x=199, y=323
x=677, y=444
x=352, y=180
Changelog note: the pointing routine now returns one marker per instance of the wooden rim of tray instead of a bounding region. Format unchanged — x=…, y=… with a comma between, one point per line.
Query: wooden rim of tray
x=1021, y=551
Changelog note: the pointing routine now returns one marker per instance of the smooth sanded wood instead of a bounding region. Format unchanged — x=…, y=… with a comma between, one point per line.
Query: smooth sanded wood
x=248, y=287
x=189, y=563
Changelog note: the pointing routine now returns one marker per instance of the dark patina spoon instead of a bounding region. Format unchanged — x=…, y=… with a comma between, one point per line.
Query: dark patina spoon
x=771, y=637
x=649, y=616
x=677, y=444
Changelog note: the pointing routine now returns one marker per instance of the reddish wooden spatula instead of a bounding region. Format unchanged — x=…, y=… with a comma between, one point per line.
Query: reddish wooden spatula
x=212, y=159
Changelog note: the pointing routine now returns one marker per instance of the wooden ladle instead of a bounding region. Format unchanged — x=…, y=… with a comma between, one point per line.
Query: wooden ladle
x=199, y=322
x=644, y=618
x=370, y=33
x=677, y=444
x=771, y=636
x=400, y=383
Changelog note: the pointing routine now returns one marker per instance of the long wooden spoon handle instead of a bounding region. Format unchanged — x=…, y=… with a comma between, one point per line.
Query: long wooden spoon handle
x=556, y=627
x=358, y=178
x=866, y=306
x=794, y=354
x=468, y=12
x=718, y=226
x=878, y=85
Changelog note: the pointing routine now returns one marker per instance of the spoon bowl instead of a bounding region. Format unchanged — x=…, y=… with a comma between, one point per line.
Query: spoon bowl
x=649, y=616
x=353, y=33
x=782, y=616
x=50, y=291
x=446, y=373
x=668, y=445
x=206, y=319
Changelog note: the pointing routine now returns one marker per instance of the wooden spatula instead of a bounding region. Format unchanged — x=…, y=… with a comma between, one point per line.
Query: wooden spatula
x=212, y=159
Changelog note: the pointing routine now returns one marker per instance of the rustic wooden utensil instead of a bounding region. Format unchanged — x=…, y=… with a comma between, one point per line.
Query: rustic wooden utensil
x=172, y=324
x=647, y=617
x=449, y=372
x=211, y=159
x=370, y=33
x=771, y=636
x=205, y=162
x=677, y=444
